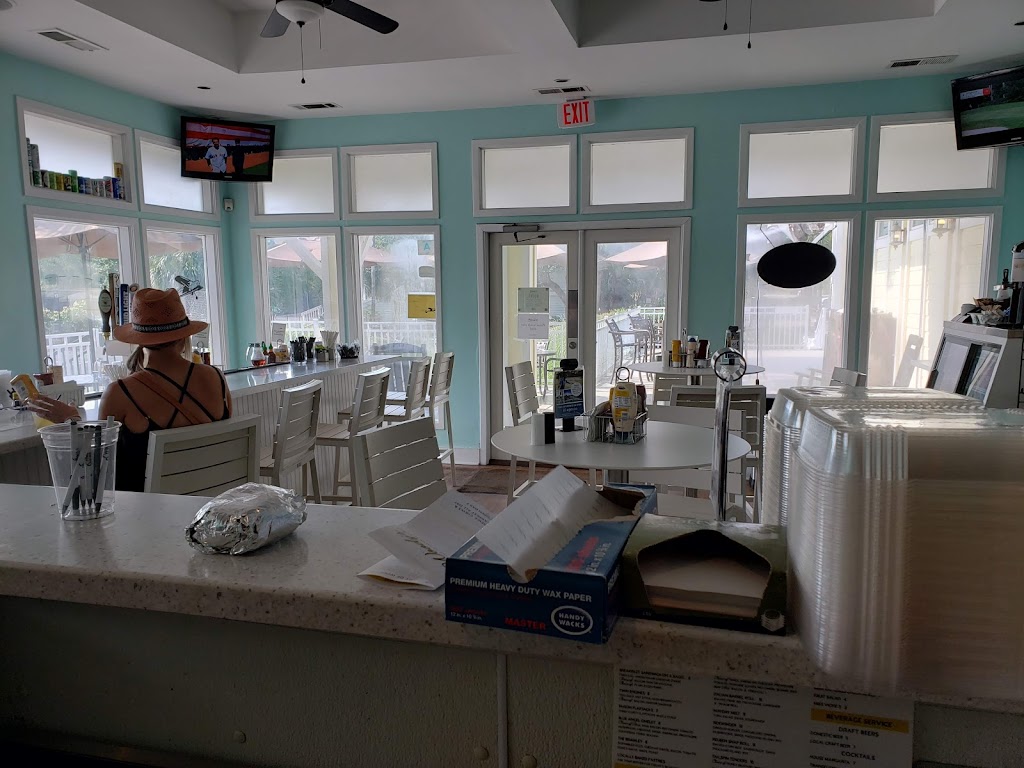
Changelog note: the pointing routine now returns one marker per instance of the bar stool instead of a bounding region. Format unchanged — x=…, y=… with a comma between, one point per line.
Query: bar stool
x=438, y=401
x=295, y=436
x=367, y=412
x=412, y=405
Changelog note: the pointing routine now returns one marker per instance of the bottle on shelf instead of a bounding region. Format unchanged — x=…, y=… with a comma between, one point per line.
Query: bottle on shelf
x=258, y=358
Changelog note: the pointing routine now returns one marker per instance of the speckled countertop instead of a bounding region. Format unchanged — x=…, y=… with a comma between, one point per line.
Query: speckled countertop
x=138, y=558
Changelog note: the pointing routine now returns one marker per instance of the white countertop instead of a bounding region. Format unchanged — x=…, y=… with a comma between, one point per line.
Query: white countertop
x=138, y=559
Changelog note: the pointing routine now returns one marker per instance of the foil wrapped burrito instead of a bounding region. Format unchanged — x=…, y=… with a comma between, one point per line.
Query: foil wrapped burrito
x=246, y=518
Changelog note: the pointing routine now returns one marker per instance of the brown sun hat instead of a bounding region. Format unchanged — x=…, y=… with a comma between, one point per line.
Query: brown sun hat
x=158, y=317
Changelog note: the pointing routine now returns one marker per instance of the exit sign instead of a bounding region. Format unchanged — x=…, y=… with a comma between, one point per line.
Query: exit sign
x=574, y=113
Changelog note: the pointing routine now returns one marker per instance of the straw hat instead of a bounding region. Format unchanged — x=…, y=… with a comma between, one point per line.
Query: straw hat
x=158, y=317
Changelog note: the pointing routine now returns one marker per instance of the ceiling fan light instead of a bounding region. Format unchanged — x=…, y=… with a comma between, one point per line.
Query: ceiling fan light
x=300, y=11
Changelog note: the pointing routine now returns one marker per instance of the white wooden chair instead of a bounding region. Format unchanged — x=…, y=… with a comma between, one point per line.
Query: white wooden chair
x=523, y=403
x=439, y=404
x=366, y=412
x=413, y=404
x=848, y=377
x=205, y=459
x=397, y=466
x=665, y=382
x=295, y=438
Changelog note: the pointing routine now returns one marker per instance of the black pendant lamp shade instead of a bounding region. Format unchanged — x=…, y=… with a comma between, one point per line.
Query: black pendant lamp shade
x=796, y=265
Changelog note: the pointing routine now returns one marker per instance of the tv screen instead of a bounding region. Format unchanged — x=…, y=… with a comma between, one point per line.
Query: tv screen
x=989, y=109
x=222, y=150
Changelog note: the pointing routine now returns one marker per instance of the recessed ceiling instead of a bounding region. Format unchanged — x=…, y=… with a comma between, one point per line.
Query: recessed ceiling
x=456, y=54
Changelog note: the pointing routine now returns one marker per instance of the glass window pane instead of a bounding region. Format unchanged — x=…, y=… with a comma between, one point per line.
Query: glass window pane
x=162, y=182
x=392, y=267
x=393, y=182
x=797, y=335
x=74, y=261
x=922, y=157
x=526, y=177
x=801, y=163
x=303, y=283
x=179, y=260
x=638, y=172
x=632, y=285
x=919, y=278
x=66, y=146
x=300, y=185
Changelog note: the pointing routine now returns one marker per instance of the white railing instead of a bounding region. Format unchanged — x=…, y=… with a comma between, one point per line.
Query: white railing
x=777, y=327
x=406, y=335
x=74, y=351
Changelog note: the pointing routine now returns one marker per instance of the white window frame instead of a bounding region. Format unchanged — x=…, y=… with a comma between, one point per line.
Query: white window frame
x=589, y=139
x=214, y=270
x=478, y=147
x=856, y=195
x=260, y=271
x=130, y=255
x=348, y=187
x=211, y=208
x=256, y=194
x=853, y=316
x=130, y=203
x=997, y=171
x=354, y=308
x=989, y=262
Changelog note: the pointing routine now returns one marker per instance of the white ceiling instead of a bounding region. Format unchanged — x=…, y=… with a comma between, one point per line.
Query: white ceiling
x=454, y=54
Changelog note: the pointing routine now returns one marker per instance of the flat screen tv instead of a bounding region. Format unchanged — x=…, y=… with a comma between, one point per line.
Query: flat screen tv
x=223, y=150
x=989, y=109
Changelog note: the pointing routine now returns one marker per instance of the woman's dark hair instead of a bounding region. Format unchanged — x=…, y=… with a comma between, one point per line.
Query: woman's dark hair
x=137, y=358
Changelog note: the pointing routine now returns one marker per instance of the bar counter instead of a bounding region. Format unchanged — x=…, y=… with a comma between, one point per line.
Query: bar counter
x=117, y=631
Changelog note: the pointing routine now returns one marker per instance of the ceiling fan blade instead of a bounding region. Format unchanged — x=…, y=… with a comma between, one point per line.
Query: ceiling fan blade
x=363, y=15
x=276, y=25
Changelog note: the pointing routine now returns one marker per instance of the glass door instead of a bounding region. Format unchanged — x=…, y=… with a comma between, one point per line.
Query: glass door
x=533, y=294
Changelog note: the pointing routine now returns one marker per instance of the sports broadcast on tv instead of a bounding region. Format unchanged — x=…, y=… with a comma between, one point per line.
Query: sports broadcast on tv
x=226, y=151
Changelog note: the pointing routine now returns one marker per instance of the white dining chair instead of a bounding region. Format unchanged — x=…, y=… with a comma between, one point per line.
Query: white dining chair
x=412, y=405
x=439, y=403
x=205, y=459
x=295, y=437
x=397, y=467
x=366, y=412
x=523, y=403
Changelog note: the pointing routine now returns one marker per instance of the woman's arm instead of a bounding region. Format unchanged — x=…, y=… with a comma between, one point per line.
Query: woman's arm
x=54, y=410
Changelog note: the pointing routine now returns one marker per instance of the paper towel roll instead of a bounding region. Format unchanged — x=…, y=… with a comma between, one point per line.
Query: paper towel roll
x=537, y=430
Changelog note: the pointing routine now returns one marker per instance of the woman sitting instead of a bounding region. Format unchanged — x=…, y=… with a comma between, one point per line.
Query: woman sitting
x=164, y=390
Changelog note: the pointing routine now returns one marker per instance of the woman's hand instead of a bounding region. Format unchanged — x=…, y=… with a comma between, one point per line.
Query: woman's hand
x=53, y=410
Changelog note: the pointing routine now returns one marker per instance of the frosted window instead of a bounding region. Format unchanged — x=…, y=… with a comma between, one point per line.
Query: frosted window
x=922, y=157
x=527, y=177
x=801, y=164
x=162, y=182
x=638, y=172
x=393, y=182
x=66, y=146
x=300, y=185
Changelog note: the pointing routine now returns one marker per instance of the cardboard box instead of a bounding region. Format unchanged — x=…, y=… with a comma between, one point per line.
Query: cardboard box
x=575, y=596
x=747, y=550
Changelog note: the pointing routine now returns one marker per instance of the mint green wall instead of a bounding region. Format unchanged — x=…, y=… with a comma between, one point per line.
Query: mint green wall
x=716, y=118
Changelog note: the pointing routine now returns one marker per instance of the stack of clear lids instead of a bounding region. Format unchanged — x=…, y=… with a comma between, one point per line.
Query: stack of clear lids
x=905, y=533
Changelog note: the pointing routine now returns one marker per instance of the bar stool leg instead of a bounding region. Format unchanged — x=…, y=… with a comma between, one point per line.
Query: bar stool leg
x=315, y=478
x=511, y=479
x=451, y=440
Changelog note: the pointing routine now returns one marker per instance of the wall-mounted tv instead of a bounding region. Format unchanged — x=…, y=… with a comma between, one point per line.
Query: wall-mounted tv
x=989, y=109
x=223, y=150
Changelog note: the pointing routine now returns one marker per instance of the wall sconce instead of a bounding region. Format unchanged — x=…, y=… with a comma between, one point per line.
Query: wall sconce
x=898, y=234
x=942, y=226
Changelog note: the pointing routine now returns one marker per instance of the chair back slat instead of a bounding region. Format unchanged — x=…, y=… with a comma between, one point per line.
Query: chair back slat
x=416, y=389
x=297, y=417
x=441, y=377
x=204, y=459
x=522, y=391
x=369, y=401
x=397, y=466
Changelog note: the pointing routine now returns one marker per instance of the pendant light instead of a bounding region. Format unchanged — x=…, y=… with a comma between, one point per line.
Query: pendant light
x=796, y=265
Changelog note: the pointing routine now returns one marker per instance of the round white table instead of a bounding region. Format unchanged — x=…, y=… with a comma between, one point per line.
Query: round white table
x=659, y=367
x=667, y=446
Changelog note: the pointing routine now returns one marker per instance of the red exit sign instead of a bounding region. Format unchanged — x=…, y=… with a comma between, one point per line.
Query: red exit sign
x=574, y=113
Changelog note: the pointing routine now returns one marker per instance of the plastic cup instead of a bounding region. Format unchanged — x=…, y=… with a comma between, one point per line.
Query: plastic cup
x=95, y=497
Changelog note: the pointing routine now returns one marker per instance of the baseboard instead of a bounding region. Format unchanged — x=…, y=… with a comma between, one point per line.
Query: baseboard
x=467, y=456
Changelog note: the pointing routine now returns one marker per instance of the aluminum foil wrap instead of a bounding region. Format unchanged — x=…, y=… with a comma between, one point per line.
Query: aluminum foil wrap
x=246, y=518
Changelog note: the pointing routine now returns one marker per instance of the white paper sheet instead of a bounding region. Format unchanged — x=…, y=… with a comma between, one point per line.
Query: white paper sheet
x=532, y=325
x=535, y=527
x=420, y=546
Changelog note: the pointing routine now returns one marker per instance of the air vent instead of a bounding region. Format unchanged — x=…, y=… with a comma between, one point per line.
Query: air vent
x=318, y=105
x=72, y=41
x=926, y=61
x=560, y=90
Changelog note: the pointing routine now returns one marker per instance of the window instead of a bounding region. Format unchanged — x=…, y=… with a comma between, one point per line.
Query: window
x=66, y=142
x=638, y=170
x=797, y=335
x=817, y=161
x=188, y=260
x=299, y=272
x=920, y=272
x=915, y=157
x=524, y=176
x=72, y=255
x=163, y=186
x=381, y=181
x=305, y=186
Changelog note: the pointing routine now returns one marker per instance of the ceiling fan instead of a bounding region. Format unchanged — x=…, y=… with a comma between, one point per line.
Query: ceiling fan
x=304, y=11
